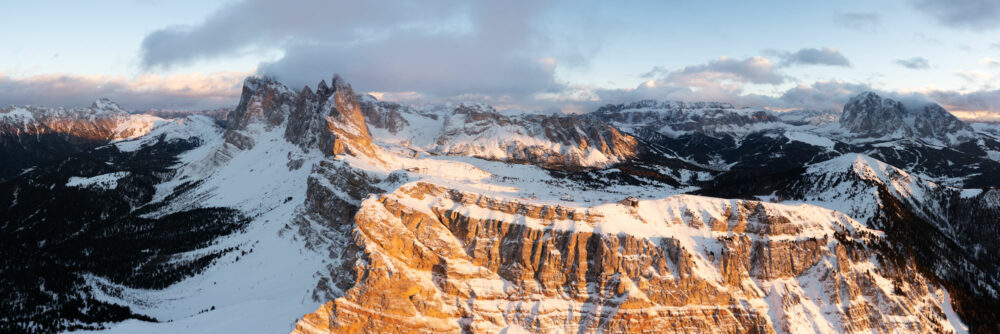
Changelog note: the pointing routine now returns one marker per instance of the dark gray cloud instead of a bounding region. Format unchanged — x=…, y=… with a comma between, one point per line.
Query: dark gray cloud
x=274, y=24
x=967, y=14
x=858, y=20
x=438, y=48
x=812, y=56
x=915, y=63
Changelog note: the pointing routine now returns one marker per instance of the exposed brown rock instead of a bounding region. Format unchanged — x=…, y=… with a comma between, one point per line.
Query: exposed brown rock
x=440, y=269
x=328, y=119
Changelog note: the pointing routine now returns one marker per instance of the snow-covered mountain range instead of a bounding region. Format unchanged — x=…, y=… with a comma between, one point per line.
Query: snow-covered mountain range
x=322, y=210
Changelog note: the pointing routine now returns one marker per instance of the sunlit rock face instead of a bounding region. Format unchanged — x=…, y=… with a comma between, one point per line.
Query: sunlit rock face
x=103, y=121
x=358, y=215
x=441, y=260
x=328, y=119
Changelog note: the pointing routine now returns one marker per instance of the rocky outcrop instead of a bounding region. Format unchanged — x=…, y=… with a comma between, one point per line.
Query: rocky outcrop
x=809, y=117
x=329, y=119
x=551, y=141
x=325, y=222
x=872, y=116
x=673, y=118
x=442, y=260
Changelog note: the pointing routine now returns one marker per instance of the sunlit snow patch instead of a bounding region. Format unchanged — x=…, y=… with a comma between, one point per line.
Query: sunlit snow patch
x=103, y=181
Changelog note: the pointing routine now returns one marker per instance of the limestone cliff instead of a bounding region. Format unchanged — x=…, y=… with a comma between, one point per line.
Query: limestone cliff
x=442, y=260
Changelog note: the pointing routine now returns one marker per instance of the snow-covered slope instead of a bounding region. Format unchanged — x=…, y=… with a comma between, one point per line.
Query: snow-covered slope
x=944, y=226
x=556, y=141
x=725, y=255
x=267, y=284
x=196, y=127
x=103, y=120
x=32, y=135
x=849, y=184
x=359, y=215
x=810, y=117
x=264, y=170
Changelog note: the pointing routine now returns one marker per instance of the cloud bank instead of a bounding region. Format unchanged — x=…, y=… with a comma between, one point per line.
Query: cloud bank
x=451, y=50
x=187, y=91
x=441, y=47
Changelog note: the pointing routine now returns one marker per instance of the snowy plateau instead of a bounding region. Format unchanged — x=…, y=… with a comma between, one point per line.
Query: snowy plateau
x=319, y=210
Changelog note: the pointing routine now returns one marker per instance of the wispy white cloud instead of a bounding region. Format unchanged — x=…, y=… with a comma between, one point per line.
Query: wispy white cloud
x=975, y=76
x=858, y=20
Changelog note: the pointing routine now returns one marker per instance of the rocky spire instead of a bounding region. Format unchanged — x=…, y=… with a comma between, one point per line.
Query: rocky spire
x=322, y=88
x=328, y=119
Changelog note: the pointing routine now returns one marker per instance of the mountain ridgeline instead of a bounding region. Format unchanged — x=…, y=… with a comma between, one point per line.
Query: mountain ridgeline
x=321, y=210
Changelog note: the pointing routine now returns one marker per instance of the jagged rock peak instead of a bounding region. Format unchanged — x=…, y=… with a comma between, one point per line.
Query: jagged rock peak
x=339, y=83
x=870, y=115
x=306, y=92
x=328, y=119
x=332, y=120
x=105, y=104
x=322, y=88
x=256, y=83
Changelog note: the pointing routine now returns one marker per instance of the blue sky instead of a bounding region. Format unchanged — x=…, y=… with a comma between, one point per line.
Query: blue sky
x=541, y=55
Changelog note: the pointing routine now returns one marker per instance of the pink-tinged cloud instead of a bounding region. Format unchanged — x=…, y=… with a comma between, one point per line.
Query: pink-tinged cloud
x=970, y=104
x=182, y=91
